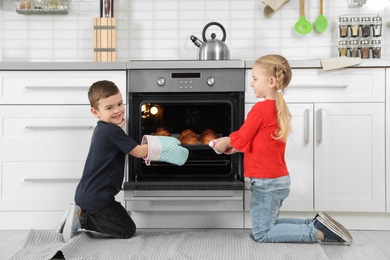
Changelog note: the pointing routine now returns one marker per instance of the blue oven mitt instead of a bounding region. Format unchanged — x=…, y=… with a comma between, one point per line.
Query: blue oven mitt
x=164, y=149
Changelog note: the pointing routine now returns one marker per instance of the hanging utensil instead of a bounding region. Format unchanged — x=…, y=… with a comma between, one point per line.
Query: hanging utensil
x=303, y=26
x=321, y=22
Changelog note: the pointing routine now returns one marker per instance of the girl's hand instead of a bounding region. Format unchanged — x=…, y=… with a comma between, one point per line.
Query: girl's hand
x=231, y=150
x=222, y=145
x=122, y=124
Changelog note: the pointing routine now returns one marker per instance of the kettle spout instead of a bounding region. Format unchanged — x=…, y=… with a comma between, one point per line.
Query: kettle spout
x=196, y=41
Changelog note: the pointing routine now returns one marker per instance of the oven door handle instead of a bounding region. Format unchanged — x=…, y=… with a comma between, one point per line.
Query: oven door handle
x=186, y=198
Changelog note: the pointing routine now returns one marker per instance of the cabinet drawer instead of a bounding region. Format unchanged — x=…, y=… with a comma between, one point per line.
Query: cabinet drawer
x=41, y=180
x=316, y=85
x=45, y=127
x=54, y=87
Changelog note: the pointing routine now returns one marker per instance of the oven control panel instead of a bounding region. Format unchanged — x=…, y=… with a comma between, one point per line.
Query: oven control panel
x=191, y=80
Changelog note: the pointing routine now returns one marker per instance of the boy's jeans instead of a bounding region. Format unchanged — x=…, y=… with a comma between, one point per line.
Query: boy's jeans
x=112, y=220
x=267, y=198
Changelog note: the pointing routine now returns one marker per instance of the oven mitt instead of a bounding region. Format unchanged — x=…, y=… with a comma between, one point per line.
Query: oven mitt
x=164, y=149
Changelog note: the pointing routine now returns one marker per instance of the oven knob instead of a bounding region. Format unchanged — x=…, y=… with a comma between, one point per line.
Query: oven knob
x=210, y=81
x=161, y=82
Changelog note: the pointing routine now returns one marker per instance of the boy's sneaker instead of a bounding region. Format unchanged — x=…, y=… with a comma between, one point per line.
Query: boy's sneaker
x=61, y=223
x=72, y=223
x=333, y=231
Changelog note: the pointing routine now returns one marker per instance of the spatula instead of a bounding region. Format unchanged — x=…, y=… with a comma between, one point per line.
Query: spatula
x=321, y=22
x=303, y=26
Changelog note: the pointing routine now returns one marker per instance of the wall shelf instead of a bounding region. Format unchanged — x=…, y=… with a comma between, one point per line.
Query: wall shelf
x=42, y=6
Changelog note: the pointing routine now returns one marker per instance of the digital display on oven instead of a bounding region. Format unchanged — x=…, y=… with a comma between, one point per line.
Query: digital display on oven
x=186, y=75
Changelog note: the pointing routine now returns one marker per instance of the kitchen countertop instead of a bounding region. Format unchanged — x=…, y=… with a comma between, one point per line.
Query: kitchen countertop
x=76, y=66
x=79, y=66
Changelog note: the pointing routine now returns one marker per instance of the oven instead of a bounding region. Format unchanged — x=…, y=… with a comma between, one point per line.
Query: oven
x=179, y=96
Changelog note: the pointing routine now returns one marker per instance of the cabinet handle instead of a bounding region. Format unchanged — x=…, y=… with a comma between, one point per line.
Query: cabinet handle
x=57, y=128
x=185, y=199
x=319, y=125
x=307, y=126
x=83, y=88
x=317, y=86
x=51, y=180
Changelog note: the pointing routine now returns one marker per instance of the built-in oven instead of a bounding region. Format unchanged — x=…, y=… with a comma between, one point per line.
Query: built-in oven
x=174, y=97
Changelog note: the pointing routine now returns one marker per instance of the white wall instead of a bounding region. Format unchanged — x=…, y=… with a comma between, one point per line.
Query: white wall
x=160, y=29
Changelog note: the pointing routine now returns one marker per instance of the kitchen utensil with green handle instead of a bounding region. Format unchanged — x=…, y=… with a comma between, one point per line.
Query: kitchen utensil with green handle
x=303, y=26
x=321, y=22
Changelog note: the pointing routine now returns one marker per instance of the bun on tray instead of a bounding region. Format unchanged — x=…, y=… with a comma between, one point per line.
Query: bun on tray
x=188, y=136
x=207, y=135
x=189, y=139
x=160, y=131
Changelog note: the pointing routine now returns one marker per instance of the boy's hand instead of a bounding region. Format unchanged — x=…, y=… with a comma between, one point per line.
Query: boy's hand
x=122, y=124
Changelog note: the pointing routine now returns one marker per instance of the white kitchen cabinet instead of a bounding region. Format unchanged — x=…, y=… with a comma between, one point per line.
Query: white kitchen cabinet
x=53, y=87
x=343, y=125
x=45, y=132
x=349, y=160
x=388, y=140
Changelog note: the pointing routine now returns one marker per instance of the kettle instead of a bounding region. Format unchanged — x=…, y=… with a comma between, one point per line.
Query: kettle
x=212, y=49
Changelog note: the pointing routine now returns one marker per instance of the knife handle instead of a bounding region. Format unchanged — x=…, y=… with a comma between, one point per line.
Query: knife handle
x=112, y=8
x=107, y=8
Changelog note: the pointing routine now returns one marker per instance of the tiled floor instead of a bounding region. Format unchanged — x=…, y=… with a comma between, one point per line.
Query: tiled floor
x=366, y=245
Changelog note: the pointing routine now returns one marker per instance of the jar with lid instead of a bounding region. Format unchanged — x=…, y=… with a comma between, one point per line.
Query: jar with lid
x=365, y=49
x=353, y=49
x=354, y=26
x=377, y=26
x=366, y=26
x=376, y=49
x=343, y=27
x=343, y=47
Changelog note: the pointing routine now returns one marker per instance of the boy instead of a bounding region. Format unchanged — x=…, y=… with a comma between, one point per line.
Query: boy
x=96, y=208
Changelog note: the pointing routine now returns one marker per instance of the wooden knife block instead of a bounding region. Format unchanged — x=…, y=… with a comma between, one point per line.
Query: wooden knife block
x=104, y=39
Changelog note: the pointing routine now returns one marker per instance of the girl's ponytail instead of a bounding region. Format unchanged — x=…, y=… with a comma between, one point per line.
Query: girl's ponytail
x=279, y=67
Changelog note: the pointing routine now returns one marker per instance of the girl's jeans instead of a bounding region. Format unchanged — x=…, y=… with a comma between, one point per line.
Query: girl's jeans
x=267, y=198
x=112, y=220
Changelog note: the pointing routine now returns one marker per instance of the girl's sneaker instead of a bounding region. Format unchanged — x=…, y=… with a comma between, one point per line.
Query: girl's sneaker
x=333, y=231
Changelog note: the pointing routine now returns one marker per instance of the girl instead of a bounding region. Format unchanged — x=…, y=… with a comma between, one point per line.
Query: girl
x=262, y=139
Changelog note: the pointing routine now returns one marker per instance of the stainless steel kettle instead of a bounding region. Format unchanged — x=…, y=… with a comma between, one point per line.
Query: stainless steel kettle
x=212, y=49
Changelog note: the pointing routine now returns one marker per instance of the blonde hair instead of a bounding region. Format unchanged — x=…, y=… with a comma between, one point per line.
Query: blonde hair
x=278, y=67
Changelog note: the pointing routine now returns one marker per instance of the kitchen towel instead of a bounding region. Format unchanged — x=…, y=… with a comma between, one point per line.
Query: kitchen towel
x=339, y=63
x=181, y=245
x=272, y=5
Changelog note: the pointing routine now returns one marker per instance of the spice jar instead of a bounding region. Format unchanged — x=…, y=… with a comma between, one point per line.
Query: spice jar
x=365, y=49
x=353, y=49
x=376, y=49
x=343, y=26
x=354, y=26
x=377, y=26
x=366, y=26
x=343, y=47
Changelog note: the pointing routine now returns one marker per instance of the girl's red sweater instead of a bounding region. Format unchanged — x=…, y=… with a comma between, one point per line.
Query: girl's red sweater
x=263, y=155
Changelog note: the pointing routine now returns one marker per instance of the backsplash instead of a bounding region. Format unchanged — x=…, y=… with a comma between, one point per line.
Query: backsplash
x=161, y=29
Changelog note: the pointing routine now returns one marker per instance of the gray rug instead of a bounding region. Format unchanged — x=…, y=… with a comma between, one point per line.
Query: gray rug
x=42, y=244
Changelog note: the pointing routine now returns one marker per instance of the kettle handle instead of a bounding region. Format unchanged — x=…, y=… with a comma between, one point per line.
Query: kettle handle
x=213, y=23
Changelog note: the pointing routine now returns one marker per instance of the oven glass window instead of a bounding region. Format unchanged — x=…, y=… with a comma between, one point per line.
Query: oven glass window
x=194, y=120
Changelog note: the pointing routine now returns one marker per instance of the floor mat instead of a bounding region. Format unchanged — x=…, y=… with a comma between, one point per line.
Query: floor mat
x=43, y=244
